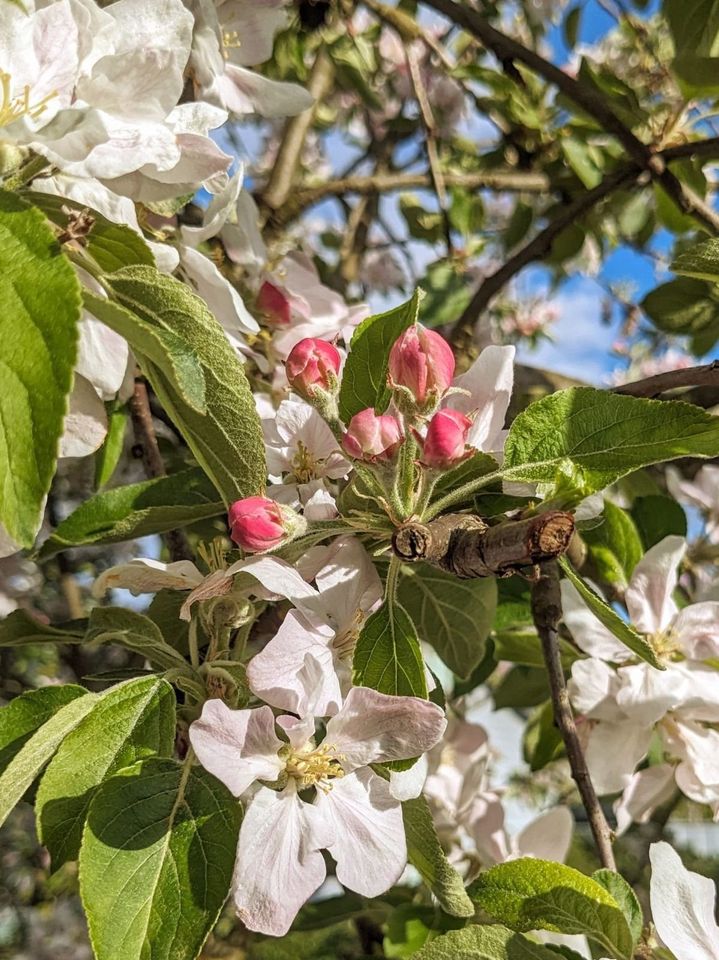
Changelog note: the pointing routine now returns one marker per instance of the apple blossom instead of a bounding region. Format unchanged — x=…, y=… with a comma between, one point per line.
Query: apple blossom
x=371, y=437
x=258, y=524
x=273, y=304
x=445, y=443
x=313, y=363
x=683, y=906
x=353, y=815
x=421, y=367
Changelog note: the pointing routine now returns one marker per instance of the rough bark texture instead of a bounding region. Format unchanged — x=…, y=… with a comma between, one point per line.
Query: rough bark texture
x=467, y=547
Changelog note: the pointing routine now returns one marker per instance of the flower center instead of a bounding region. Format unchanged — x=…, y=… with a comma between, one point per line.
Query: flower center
x=13, y=108
x=666, y=644
x=315, y=766
x=304, y=465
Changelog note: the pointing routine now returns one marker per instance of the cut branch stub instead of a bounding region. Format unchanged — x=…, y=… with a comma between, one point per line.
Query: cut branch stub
x=467, y=547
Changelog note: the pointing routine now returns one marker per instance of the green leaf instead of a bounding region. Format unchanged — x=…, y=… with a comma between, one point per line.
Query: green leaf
x=590, y=438
x=529, y=894
x=694, y=26
x=614, y=545
x=20, y=628
x=699, y=76
x=584, y=159
x=137, y=510
x=622, y=630
x=454, y=616
x=156, y=860
x=542, y=741
x=108, y=456
x=700, y=262
x=172, y=355
x=411, y=925
x=134, y=632
x=40, y=297
x=425, y=853
x=29, y=761
x=570, y=26
x=684, y=306
x=448, y=291
x=521, y=687
x=26, y=713
x=387, y=656
x=364, y=378
x=657, y=517
x=522, y=646
x=339, y=940
x=227, y=441
x=486, y=942
x=617, y=886
x=132, y=721
x=111, y=245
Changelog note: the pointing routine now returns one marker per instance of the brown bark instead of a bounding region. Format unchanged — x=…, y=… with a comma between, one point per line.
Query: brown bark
x=467, y=547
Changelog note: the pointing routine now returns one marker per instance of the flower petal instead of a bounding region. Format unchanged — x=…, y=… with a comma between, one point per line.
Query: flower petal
x=613, y=752
x=237, y=746
x=279, y=865
x=548, y=836
x=369, y=846
x=649, y=594
x=682, y=906
x=646, y=790
x=375, y=727
x=148, y=576
x=489, y=381
x=696, y=628
x=590, y=635
x=408, y=784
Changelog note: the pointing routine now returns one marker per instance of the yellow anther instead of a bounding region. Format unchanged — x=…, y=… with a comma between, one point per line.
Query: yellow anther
x=304, y=465
x=14, y=107
x=345, y=641
x=315, y=766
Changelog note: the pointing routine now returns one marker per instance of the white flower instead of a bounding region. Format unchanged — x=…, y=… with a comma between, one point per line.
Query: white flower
x=701, y=492
x=353, y=815
x=318, y=638
x=682, y=906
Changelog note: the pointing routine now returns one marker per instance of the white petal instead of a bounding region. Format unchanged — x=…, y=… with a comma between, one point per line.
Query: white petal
x=485, y=824
x=489, y=381
x=244, y=91
x=408, y=784
x=223, y=300
x=348, y=585
x=548, y=836
x=682, y=906
x=102, y=356
x=296, y=670
x=375, y=727
x=593, y=689
x=217, y=212
x=148, y=576
x=237, y=746
x=279, y=578
x=646, y=694
x=369, y=846
x=613, y=752
x=278, y=866
x=696, y=628
x=646, y=790
x=649, y=595
x=85, y=426
x=589, y=634
x=256, y=24
x=698, y=749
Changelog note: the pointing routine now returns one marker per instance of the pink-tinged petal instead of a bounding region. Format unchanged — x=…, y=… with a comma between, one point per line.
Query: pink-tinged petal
x=408, y=784
x=700, y=701
x=489, y=384
x=588, y=633
x=277, y=576
x=485, y=824
x=646, y=790
x=696, y=628
x=244, y=91
x=698, y=749
x=298, y=731
x=375, y=727
x=646, y=694
x=85, y=426
x=237, y=746
x=348, y=584
x=682, y=906
x=148, y=576
x=279, y=865
x=649, y=594
x=548, y=836
x=613, y=752
x=296, y=669
x=369, y=846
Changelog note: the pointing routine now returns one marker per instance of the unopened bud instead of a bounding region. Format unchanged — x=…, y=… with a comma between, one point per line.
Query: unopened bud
x=445, y=444
x=313, y=365
x=257, y=524
x=371, y=437
x=421, y=367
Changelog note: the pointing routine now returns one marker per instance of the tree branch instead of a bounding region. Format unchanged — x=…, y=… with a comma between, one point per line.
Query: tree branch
x=507, y=49
x=463, y=545
x=706, y=375
x=146, y=440
x=547, y=612
x=282, y=177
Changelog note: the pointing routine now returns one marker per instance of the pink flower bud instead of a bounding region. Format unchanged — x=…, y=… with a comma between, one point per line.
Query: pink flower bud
x=274, y=304
x=422, y=362
x=372, y=438
x=446, y=442
x=313, y=363
x=257, y=523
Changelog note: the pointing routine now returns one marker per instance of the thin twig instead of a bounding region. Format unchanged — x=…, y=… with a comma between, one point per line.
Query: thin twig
x=547, y=612
x=146, y=439
x=706, y=375
x=507, y=50
x=430, y=137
